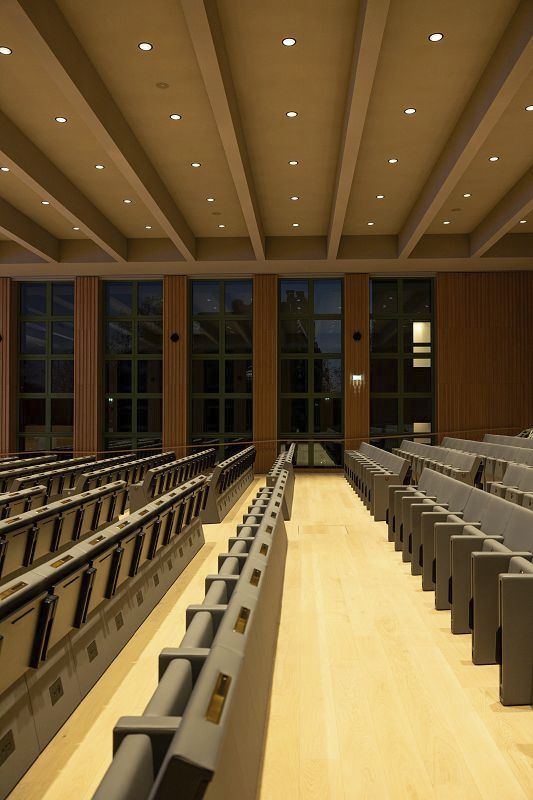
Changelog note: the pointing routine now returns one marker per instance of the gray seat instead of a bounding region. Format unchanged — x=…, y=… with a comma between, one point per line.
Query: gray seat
x=516, y=633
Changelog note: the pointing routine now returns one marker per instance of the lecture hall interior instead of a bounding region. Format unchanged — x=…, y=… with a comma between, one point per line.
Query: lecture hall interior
x=266, y=400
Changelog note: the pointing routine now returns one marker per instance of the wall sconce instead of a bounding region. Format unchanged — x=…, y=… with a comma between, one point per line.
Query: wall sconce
x=357, y=382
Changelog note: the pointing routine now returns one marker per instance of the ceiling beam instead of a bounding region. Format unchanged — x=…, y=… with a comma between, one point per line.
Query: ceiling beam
x=371, y=22
x=512, y=207
x=23, y=230
x=61, y=54
x=208, y=43
x=507, y=68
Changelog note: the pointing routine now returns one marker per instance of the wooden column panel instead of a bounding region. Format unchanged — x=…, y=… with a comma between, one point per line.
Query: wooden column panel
x=8, y=355
x=175, y=373
x=88, y=400
x=356, y=359
x=265, y=361
x=484, y=352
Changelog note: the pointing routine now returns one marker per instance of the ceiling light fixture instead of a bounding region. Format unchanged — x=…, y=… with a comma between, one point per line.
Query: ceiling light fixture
x=5, y=51
x=393, y=160
x=380, y=196
x=148, y=227
x=145, y=46
x=221, y=225
x=99, y=166
x=75, y=228
x=60, y=119
x=435, y=37
x=196, y=164
x=467, y=194
x=529, y=108
x=295, y=197
x=4, y=169
x=409, y=111
x=293, y=163
x=446, y=222
x=289, y=41
x=523, y=221
x=291, y=114
x=295, y=224
x=370, y=223
x=127, y=201
x=175, y=116
x=45, y=202
x=494, y=158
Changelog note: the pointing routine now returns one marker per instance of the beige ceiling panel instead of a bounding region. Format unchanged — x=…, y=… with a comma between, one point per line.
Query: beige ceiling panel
x=436, y=78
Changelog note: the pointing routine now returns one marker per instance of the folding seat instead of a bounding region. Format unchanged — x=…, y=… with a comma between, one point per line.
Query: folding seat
x=131, y=774
x=14, y=503
x=400, y=497
x=510, y=480
x=516, y=633
x=519, y=493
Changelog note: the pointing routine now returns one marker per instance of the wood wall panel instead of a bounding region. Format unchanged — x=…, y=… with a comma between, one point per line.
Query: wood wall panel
x=484, y=327
x=356, y=359
x=8, y=354
x=87, y=365
x=175, y=373
x=265, y=361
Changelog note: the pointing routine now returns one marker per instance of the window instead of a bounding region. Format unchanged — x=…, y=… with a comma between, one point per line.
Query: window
x=311, y=369
x=401, y=360
x=46, y=366
x=221, y=363
x=133, y=364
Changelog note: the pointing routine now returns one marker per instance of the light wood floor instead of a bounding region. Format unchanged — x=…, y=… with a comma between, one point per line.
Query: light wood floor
x=373, y=697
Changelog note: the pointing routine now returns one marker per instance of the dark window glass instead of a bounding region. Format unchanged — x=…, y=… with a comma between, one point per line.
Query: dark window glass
x=239, y=336
x=32, y=376
x=32, y=443
x=238, y=375
x=63, y=299
x=328, y=375
x=294, y=296
x=118, y=377
x=383, y=415
x=327, y=414
x=417, y=410
x=417, y=296
x=384, y=375
x=32, y=415
x=118, y=298
x=118, y=338
x=150, y=378
x=238, y=415
x=205, y=377
x=62, y=338
x=118, y=415
x=62, y=376
x=238, y=297
x=62, y=445
x=327, y=454
x=205, y=297
x=294, y=375
x=150, y=298
x=33, y=338
x=149, y=414
x=302, y=455
x=294, y=336
x=417, y=375
x=33, y=299
x=328, y=336
x=384, y=335
x=205, y=336
x=62, y=414
x=294, y=417
x=150, y=337
x=328, y=296
x=384, y=297
x=205, y=415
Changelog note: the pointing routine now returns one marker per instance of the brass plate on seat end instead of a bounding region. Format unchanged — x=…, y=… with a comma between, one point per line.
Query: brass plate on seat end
x=256, y=575
x=242, y=620
x=218, y=698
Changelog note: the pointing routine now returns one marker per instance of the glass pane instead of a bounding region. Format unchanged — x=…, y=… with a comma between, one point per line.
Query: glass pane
x=238, y=297
x=328, y=296
x=383, y=415
x=149, y=414
x=293, y=415
x=384, y=335
x=417, y=296
x=32, y=376
x=32, y=443
x=150, y=378
x=62, y=337
x=384, y=297
x=328, y=336
x=205, y=297
x=328, y=375
x=205, y=337
x=150, y=337
x=118, y=415
x=119, y=445
x=63, y=299
x=417, y=337
x=62, y=376
x=327, y=454
x=416, y=410
x=118, y=337
x=32, y=299
x=238, y=416
x=294, y=336
x=328, y=414
x=33, y=337
x=32, y=415
x=294, y=375
x=205, y=415
x=62, y=444
x=118, y=377
x=294, y=296
x=150, y=298
x=417, y=375
x=384, y=375
x=62, y=414
x=239, y=336
x=205, y=376
x=118, y=298
x=238, y=375
x=302, y=455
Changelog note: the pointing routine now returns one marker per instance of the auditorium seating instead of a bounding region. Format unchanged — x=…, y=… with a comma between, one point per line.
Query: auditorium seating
x=12, y=503
x=129, y=471
x=513, y=441
x=62, y=623
x=13, y=462
x=202, y=732
x=159, y=479
x=463, y=466
x=8, y=475
x=516, y=484
x=370, y=471
x=515, y=634
x=284, y=462
x=495, y=457
x=227, y=482
x=31, y=536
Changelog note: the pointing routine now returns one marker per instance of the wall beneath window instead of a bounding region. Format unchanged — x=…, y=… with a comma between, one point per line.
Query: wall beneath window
x=484, y=352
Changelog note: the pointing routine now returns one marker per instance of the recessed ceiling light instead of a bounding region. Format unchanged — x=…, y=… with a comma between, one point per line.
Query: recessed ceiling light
x=175, y=116
x=295, y=224
x=289, y=41
x=293, y=163
x=127, y=201
x=467, y=194
x=370, y=223
x=60, y=119
x=380, y=196
x=393, y=160
x=221, y=225
x=5, y=51
x=446, y=222
x=291, y=114
x=45, y=202
x=145, y=46
x=210, y=199
x=494, y=158
x=295, y=197
x=196, y=164
x=529, y=108
x=99, y=166
x=435, y=37
x=409, y=111
x=4, y=169
x=75, y=228
x=148, y=227
x=523, y=221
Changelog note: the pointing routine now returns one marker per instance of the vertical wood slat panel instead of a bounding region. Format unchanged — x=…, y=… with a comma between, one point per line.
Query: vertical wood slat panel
x=88, y=400
x=484, y=352
x=175, y=373
x=356, y=359
x=265, y=361
x=8, y=352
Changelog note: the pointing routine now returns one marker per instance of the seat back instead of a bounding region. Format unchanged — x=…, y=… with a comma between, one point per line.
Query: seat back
x=518, y=534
